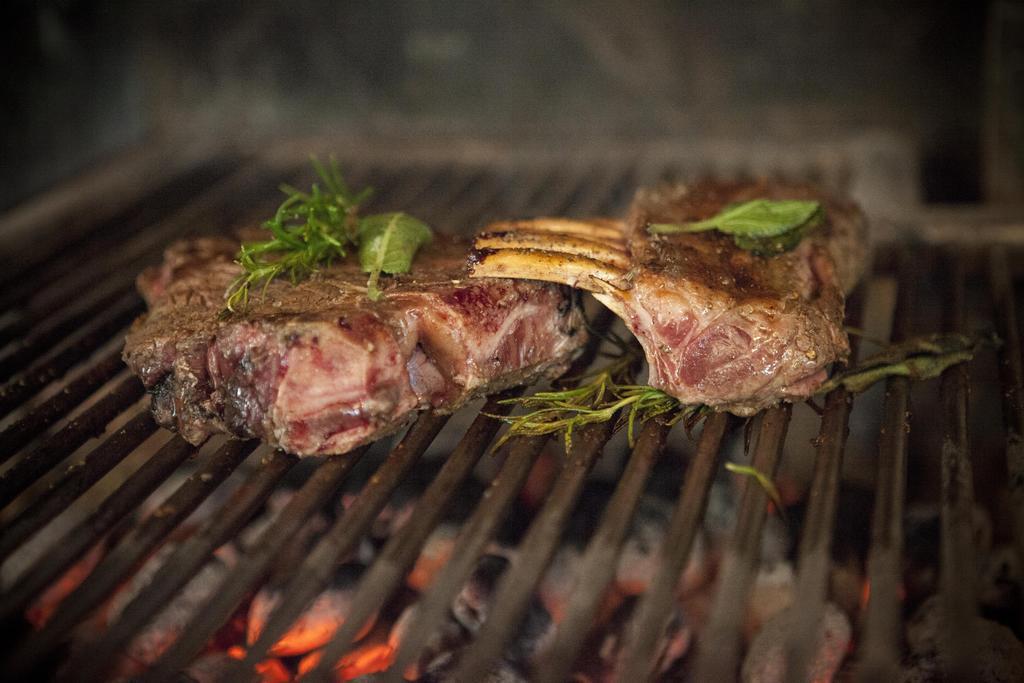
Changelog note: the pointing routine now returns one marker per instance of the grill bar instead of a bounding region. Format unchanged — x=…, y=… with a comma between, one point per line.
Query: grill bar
x=1012, y=377
x=78, y=240
x=38, y=343
x=469, y=546
x=718, y=651
x=819, y=525
x=182, y=565
x=75, y=481
x=221, y=204
x=73, y=544
x=93, y=335
x=57, y=406
x=128, y=554
x=882, y=633
x=402, y=549
x=535, y=552
x=321, y=486
x=455, y=194
x=89, y=424
x=652, y=613
x=597, y=567
x=317, y=569
x=957, y=497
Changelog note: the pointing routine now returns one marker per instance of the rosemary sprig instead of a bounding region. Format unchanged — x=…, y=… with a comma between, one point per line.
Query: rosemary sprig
x=606, y=394
x=308, y=230
x=603, y=396
x=312, y=229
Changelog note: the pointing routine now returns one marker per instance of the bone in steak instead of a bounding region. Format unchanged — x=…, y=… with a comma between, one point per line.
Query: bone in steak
x=720, y=326
x=318, y=368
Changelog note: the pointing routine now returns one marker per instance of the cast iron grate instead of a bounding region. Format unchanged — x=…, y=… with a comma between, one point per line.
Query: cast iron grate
x=66, y=311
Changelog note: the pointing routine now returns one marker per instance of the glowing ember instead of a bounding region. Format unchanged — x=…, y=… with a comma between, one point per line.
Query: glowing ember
x=269, y=670
x=318, y=623
x=40, y=611
x=366, y=659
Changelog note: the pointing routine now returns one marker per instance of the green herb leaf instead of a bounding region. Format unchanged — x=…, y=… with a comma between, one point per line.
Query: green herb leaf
x=763, y=226
x=312, y=229
x=387, y=244
x=919, y=359
x=762, y=480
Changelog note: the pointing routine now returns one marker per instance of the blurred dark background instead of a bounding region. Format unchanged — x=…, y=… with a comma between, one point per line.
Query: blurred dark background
x=84, y=79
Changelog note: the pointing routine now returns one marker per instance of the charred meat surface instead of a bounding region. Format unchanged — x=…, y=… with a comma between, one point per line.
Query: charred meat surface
x=720, y=326
x=316, y=367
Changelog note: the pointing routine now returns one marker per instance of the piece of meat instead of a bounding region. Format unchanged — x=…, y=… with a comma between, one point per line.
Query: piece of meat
x=720, y=326
x=318, y=368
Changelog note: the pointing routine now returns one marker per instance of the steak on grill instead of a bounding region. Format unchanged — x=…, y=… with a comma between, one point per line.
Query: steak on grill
x=720, y=326
x=318, y=368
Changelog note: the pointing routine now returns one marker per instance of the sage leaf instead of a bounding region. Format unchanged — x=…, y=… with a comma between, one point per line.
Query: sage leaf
x=387, y=244
x=920, y=358
x=763, y=226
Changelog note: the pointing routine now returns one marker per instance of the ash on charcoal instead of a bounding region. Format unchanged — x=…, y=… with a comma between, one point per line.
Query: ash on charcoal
x=149, y=645
x=1001, y=586
x=473, y=603
x=439, y=650
x=772, y=592
x=210, y=668
x=604, y=647
x=999, y=656
x=766, y=660
x=922, y=545
x=641, y=551
x=318, y=623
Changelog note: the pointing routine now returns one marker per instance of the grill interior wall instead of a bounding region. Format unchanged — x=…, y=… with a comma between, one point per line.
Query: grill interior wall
x=81, y=455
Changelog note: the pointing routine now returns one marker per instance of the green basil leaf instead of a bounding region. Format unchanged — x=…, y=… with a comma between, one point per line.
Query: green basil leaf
x=764, y=226
x=387, y=244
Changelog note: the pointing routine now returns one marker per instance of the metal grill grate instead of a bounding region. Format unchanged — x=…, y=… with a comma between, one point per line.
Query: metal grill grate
x=65, y=385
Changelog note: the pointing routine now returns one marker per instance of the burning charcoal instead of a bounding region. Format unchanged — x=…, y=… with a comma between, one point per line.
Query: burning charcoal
x=999, y=655
x=439, y=650
x=210, y=668
x=435, y=554
x=605, y=645
x=270, y=670
x=40, y=611
x=147, y=647
x=1000, y=585
x=559, y=580
x=503, y=672
x=776, y=541
x=472, y=604
x=766, y=662
x=359, y=663
x=641, y=551
x=215, y=666
x=771, y=593
x=318, y=623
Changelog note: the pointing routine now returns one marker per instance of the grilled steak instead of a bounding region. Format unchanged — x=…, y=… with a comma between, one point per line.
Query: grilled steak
x=720, y=326
x=318, y=368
